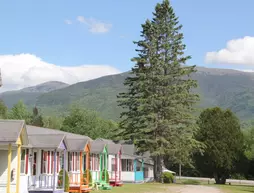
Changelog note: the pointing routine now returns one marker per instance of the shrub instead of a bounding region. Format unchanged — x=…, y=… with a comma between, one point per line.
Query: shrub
x=107, y=176
x=191, y=182
x=238, y=177
x=60, y=180
x=90, y=177
x=167, y=177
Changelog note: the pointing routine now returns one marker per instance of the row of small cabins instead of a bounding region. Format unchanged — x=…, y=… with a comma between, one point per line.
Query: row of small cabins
x=32, y=160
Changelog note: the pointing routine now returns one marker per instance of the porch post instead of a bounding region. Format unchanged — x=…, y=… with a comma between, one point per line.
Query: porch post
x=9, y=169
x=100, y=167
x=106, y=167
x=116, y=163
x=18, y=169
x=64, y=169
x=142, y=165
x=135, y=169
x=88, y=166
x=80, y=168
x=120, y=165
x=54, y=178
x=143, y=168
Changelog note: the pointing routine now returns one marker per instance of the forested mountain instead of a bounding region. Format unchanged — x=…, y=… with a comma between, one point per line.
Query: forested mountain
x=217, y=87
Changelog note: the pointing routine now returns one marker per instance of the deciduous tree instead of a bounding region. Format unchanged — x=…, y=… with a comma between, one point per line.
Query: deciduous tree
x=3, y=110
x=19, y=111
x=221, y=134
x=85, y=122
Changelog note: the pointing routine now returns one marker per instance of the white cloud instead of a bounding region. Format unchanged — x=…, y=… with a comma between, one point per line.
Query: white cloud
x=238, y=51
x=81, y=19
x=68, y=22
x=19, y=71
x=95, y=26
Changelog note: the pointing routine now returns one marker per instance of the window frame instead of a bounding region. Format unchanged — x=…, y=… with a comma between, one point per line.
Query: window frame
x=24, y=161
x=127, y=165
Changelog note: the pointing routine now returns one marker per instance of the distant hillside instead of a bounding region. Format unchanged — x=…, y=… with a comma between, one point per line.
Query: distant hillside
x=45, y=87
x=98, y=94
x=217, y=87
x=29, y=95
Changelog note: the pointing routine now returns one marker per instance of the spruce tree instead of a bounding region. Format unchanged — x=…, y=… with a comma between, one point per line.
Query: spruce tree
x=37, y=119
x=158, y=104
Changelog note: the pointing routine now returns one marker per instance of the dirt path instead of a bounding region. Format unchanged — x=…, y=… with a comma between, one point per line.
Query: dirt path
x=194, y=189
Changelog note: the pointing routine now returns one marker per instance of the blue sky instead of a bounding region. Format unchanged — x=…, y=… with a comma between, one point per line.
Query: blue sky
x=51, y=30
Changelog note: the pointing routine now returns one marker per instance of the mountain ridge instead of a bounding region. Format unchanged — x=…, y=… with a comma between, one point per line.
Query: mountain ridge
x=227, y=88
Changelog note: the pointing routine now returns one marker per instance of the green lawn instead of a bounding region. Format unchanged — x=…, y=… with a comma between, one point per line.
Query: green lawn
x=173, y=188
x=236, y=188
x=140, y=188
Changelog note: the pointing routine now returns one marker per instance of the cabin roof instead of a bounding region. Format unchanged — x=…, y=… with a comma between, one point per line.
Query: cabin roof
x=33, y=130
x=45, y=141
x=112, y=147
x=97, y=147
x=10, y=130
x=128, y=149
x=107, y=141
x=77, y=144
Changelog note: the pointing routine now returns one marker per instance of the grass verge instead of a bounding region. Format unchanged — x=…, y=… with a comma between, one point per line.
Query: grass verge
x=141, y=188
x=236, y=188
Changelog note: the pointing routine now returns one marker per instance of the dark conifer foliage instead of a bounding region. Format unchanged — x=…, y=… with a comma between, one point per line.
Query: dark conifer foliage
x=159, y=102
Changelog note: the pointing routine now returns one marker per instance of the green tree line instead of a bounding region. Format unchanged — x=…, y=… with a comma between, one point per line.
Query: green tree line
x=77, y=120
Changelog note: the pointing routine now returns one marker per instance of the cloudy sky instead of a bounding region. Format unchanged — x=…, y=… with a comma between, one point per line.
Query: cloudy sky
x=78, y=40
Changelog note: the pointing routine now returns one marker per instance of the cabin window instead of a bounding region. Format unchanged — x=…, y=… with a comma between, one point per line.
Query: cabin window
x=24, y=161
x=146, y=172
x=34, y=163
x=77, y=161
x=52, y=162
x=73, y=161
x=84, y=162
x=69, y=161
x=48, y=162
x=61, y=161
x=113, y=164
x=139, y=166
x=97, y=162
x=58, y=162
x=44, y=162
x=103, y=162
x=94, y=162
x=127, y=165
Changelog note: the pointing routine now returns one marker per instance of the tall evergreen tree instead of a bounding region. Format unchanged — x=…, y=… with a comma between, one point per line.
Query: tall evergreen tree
x=159, y=101
x=37, y=119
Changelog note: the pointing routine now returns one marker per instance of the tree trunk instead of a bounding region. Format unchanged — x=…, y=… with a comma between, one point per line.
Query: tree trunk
x=220, y=179
x=180, y=170
x=155, y=168
x=159, y=168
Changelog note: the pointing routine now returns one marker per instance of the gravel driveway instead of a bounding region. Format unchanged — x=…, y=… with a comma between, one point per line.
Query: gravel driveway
x=194, y=189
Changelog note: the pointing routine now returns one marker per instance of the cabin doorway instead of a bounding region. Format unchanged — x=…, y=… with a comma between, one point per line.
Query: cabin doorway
x=84, y=162
x=34, y=168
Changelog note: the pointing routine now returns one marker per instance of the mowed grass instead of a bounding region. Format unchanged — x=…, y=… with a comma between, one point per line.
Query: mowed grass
x=173, y=188
x=224, y=188
x=141, y=188
x=236, y=188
